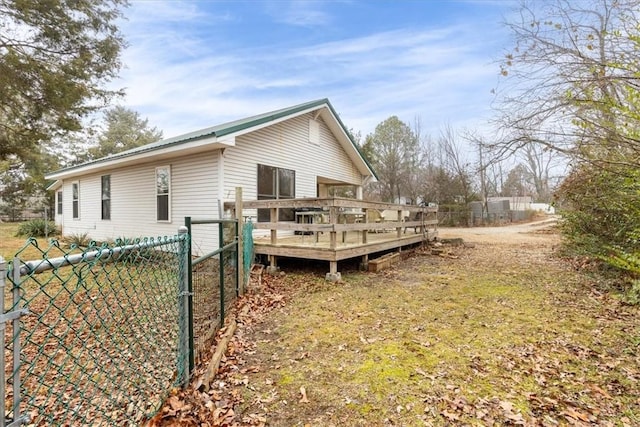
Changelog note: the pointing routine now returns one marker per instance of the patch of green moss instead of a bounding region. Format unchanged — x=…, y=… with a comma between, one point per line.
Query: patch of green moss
x=389, y=366
x=286, y=378
x=375, y=346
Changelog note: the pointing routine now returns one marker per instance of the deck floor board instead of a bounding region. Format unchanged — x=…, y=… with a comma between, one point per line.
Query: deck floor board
x=306, y=246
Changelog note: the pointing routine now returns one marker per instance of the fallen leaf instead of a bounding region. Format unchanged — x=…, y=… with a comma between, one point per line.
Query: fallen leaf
x=573, y=413
x=603, y=392
x=175, y=403
x=506, y=406
x=450, y=415
x=303, y=393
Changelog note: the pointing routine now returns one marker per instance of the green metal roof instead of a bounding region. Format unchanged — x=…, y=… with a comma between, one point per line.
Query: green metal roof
x=226, y=129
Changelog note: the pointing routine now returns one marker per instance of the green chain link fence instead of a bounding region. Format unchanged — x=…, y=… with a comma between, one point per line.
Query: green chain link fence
x=105, y=337
x=215, y=283
x=99, y=336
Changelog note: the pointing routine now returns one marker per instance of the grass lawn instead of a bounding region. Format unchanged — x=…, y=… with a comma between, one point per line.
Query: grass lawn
x=498, y=334
x=10, y=244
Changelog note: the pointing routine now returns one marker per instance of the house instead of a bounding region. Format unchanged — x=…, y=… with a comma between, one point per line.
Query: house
x=299, y=151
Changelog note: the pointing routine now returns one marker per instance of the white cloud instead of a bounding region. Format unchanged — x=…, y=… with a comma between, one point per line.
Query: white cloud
x=303, y=13
x=183, y=75
x=164, y=13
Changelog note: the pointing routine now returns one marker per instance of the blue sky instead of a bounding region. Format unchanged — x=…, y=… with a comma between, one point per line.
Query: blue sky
x=194, y=64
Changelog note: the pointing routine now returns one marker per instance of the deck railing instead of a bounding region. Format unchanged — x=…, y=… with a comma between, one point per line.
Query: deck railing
x=340, y=215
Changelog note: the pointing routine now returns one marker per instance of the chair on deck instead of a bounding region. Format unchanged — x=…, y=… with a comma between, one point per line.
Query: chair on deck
x=374, y=216
x=415, y=216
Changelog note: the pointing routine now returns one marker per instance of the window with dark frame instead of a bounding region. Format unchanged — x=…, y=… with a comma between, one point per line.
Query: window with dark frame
x=163, y=193
x=75, y=191
x=106, y=196
x=276, y=183
x=59, y=204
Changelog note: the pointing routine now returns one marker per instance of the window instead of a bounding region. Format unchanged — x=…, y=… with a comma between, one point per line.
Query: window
x=59, y=196
x=75, y=190
x=106, y=196
x=276, y=183
x=163, y=193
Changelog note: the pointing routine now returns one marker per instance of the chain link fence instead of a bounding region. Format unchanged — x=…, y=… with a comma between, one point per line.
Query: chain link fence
x=99, y=335
x=214, y=283
x=475, y=215
x=94, y=336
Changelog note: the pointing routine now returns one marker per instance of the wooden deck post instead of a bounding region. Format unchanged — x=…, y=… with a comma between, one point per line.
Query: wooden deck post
x=365, y=231
x=273, y=219
x=399, y=229
x=364, y=265
x=273, y=264
x=333, y=275
x=239, y=218
x=333, y=219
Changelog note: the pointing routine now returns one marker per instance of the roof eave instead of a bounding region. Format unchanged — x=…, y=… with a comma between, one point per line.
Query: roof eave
x=54, y=186
x=194, y=146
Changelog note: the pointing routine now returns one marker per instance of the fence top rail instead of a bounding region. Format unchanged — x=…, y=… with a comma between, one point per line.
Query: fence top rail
x=41, y=265
x=226, y=247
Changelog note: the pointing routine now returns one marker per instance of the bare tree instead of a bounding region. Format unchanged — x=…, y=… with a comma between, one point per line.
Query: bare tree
x=454, y=162
x=570, y=78
x=539, y=161
x=417, y=165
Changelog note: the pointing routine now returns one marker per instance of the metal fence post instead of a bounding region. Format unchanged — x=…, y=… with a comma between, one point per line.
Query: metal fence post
x=16, y=341
x=221, y=268
x=187, y=223
x=239, y=260
x=3, y=382
x=184, y=343
x=239, y=254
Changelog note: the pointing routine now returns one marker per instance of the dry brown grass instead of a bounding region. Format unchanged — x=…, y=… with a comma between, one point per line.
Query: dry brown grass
x=498, y=334
x=10, y=244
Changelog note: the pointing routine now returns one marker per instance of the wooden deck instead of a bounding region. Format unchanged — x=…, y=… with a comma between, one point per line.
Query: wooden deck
x=319, y=247
x=335, y=229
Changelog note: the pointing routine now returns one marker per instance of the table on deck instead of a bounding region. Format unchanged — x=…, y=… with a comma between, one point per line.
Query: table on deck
x=311, y=216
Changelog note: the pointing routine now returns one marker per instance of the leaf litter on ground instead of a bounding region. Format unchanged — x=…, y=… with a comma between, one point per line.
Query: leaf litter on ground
x=499, y=333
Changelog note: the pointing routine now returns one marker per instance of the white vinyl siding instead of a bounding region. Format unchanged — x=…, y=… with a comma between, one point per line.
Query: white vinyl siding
x=195, y=189
x=286, y=145
x=194, y=192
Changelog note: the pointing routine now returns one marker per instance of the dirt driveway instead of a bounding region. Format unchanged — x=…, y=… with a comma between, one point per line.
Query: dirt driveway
x=499, y=332
x=540, y=231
